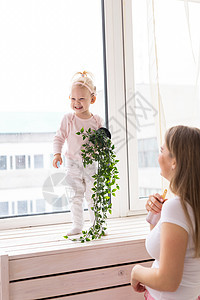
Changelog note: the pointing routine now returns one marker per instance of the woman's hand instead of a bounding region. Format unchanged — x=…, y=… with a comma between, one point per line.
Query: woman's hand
x=57, y=158
x=137, y=286
x=154, y=203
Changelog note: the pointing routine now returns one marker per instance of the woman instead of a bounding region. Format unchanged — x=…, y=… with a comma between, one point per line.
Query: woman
x=174, y=242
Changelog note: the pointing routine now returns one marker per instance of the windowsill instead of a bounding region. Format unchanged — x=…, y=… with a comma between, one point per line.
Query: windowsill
x=42, y=239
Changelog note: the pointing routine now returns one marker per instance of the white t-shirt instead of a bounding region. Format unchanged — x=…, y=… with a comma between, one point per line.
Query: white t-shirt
x=189, y=288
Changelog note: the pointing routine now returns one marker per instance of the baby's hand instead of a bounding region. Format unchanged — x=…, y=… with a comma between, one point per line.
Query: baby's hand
x=57, y=158
x=154, y=203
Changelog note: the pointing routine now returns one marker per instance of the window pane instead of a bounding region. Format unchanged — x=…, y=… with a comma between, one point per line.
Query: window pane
x=43, y=44
x=38, y=161
x=3, y=162
x=148, y=174
x=20, y=162
x=3, y=209
x=40, y=205
x=22, y=207
x=177, y=74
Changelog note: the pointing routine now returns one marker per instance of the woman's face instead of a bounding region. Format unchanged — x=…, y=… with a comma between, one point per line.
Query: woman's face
x=167, y=163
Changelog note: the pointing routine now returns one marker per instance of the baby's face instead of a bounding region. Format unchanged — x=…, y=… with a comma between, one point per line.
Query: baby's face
x=80, y=101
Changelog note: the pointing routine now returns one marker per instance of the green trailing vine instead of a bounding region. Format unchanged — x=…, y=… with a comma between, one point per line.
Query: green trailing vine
x=99, y=149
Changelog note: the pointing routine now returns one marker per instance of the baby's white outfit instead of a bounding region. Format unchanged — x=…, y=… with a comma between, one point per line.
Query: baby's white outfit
x=81, y=181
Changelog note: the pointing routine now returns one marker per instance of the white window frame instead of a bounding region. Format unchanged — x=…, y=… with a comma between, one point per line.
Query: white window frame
x=120, y=81
x=136, y=205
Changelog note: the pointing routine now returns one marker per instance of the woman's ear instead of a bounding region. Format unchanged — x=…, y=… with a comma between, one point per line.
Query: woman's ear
x=174, y=165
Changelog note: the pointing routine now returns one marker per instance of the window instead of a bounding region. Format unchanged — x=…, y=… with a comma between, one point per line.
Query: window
x=3, y=162
x=3, y=209
x=38, y=161
x=20, y=162
x=161, y=47
x=29, y=161
x=11, y=162
x=40, y=205
x=22, y=207
x=43, y=45
x=148, y=153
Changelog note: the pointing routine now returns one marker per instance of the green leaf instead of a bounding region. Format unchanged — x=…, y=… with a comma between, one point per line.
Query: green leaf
x=82, y=130
x=65, y=236
x=78, y=133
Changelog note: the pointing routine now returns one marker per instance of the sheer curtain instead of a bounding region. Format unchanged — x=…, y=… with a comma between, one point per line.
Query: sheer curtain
x=174, y=63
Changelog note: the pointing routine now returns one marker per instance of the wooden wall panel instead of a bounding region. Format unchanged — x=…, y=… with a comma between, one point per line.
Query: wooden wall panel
x=77, y=260
x=4, y=277
x=70, y=283
x=119, y=293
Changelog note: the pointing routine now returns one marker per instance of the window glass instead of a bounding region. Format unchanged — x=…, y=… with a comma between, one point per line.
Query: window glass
x=147, y=153
x=43, y=44
x=169, y=59
x=22, y=207
x=11, y=162
x=3, y=208
x=148, y=172
x=40, y=205
x=38, y=161
x=20, y=162
x=3, y=162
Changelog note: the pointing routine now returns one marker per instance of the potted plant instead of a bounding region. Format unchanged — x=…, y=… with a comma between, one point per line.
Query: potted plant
x=99, y=149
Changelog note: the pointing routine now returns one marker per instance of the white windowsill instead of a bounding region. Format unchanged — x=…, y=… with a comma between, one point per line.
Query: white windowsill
x=42, y=239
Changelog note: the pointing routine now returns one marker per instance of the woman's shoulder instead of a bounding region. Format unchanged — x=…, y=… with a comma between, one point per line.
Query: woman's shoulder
x=172, y=206
x=172, y=202
x=175, y=203
x=173, y=212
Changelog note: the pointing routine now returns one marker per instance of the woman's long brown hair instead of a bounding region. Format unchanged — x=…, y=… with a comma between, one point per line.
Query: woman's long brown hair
x=183, y=143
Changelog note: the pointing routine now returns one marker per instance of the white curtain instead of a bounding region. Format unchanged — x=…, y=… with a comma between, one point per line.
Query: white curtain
x=174, y=63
